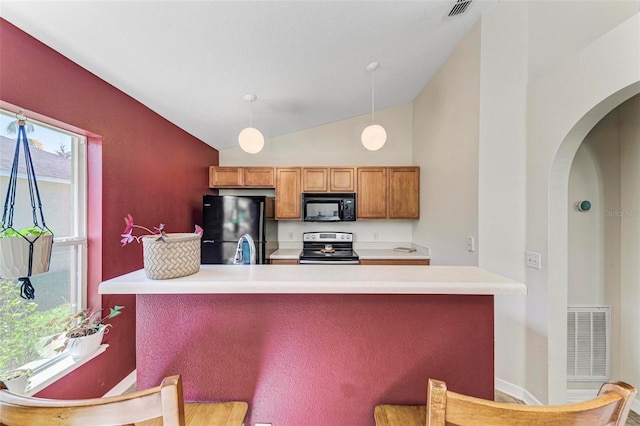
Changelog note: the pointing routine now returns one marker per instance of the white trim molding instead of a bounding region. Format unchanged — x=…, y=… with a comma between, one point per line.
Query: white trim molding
x=124, y=384
x=516, y=392
x=58, y=369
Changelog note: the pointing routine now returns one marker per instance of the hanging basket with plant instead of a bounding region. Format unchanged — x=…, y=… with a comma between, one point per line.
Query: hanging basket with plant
x=27, y=251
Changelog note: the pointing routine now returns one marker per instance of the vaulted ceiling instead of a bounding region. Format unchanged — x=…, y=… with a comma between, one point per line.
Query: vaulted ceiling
x=193, y=61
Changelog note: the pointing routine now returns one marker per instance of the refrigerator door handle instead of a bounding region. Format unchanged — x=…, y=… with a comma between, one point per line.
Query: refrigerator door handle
x=261, y=236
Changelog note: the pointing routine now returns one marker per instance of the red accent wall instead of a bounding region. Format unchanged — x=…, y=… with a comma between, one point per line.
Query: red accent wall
x=316, y=360
x=139, y=163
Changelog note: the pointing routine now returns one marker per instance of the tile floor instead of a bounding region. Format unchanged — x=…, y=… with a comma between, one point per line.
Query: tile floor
x=632, y=420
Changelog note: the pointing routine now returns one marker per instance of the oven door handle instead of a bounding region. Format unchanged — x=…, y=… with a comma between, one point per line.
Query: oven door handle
x=329, y=262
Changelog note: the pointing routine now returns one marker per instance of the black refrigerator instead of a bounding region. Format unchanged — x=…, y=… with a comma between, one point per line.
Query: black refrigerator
x=227, y=217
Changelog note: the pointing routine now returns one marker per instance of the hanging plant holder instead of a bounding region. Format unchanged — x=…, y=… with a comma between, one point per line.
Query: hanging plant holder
x=27, y=251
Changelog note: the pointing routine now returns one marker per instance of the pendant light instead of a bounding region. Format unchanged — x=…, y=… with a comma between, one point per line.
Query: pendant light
x=250, y=138
x=373, y=136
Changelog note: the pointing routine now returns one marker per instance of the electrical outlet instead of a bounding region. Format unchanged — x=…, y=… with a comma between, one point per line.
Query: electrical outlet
x=471, y=245
x=375, y=236
x=534, y=260
x=290, y=236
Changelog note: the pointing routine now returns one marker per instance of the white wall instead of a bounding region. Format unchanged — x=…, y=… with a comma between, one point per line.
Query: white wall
x=563, y=106
x=445, y=146
x=560, y=28
x=630, y=230
x=574, y=79
x=502, y=211
x=337, y=144
x=594, y=236
x=586, y=229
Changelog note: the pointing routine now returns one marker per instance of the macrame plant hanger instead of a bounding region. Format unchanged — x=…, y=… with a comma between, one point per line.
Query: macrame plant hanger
x=27, y=291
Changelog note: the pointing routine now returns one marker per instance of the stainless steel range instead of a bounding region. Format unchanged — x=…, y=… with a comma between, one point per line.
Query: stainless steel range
x=328, y=248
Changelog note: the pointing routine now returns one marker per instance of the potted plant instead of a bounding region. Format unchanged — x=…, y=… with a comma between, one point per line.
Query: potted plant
x=82, y=332
x=165, y=255
x=14, y=251
x=16, y=380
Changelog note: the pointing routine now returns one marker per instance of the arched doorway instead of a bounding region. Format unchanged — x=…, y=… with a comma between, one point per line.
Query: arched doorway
x=558, y=243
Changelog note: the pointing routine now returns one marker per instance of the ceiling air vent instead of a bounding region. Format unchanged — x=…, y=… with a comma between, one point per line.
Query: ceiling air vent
x=459, y=8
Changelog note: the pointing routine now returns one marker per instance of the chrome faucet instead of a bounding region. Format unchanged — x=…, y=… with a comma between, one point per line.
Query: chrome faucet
x=245, y=251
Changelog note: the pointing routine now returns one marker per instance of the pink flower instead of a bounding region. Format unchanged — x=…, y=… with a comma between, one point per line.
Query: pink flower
x=128, y=220
x=128, y=237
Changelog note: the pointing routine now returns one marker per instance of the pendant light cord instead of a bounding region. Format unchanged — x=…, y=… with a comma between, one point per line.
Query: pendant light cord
x=250, y=113
x=373, y=91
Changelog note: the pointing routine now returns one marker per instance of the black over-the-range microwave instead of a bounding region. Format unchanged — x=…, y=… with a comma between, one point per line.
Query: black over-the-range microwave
x=331, y=207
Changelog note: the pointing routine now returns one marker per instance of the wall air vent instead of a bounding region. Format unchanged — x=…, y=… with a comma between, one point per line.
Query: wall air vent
x=588, y=332
x=459, y=7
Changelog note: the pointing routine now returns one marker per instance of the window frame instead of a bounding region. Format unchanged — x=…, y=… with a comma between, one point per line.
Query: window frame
x=48, y=370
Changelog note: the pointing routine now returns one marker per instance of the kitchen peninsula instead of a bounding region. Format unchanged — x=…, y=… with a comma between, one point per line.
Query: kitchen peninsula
x=316, y=344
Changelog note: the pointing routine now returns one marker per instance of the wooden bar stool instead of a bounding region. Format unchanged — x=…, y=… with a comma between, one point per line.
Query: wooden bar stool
x=162, y=405
x=611, y=407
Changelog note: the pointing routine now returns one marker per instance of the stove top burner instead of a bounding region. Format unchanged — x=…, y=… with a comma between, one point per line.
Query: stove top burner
x=334, y=253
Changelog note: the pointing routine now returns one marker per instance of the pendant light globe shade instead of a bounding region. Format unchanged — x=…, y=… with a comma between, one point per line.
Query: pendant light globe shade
x=251, y=140
x=373, y=137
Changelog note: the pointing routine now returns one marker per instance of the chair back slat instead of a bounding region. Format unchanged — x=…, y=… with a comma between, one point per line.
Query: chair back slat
x=164, y=401
x=610, y=407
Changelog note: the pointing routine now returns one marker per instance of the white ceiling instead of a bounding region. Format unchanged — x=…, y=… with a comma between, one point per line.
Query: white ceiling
x=193, y=61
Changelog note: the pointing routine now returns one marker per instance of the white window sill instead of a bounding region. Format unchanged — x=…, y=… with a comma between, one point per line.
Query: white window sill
x=58, y=369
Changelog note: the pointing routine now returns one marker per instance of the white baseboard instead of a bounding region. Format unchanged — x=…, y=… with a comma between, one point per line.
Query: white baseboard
x=124, y=384
x=516, y=392
x=573, y=395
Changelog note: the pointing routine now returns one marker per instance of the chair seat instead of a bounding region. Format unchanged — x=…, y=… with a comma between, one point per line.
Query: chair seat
x=209, y=414
x=406, y=415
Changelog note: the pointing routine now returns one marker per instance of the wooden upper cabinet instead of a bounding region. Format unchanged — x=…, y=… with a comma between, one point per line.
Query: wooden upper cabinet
x=342, y=179
x=288, y=193
x=372, y=193
x=225, y=177
x=241, y=177
x=404, y=192
x=259, y=177
x=315, y=179
x=328, y=179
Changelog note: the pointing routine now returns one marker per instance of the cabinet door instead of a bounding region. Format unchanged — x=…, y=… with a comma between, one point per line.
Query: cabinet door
x=342, y=179
x=259, y=177
x=404, y=192
x=314, y=179
x=225, y=177
x=372, y=193
x=284, y=261
x=288, y=194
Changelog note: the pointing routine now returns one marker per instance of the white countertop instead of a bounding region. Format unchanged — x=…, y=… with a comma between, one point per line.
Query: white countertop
x=320, y=279
x=362, y=254
x=286, y=253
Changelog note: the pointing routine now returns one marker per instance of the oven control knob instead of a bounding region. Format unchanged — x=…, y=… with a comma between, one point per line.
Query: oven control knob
x=342, y=237
x=313, y=236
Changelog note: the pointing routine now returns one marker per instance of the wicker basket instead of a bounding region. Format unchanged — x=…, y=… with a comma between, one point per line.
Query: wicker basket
x=177, y=256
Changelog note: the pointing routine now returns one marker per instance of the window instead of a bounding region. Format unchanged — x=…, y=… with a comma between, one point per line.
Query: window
x=59, y=160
